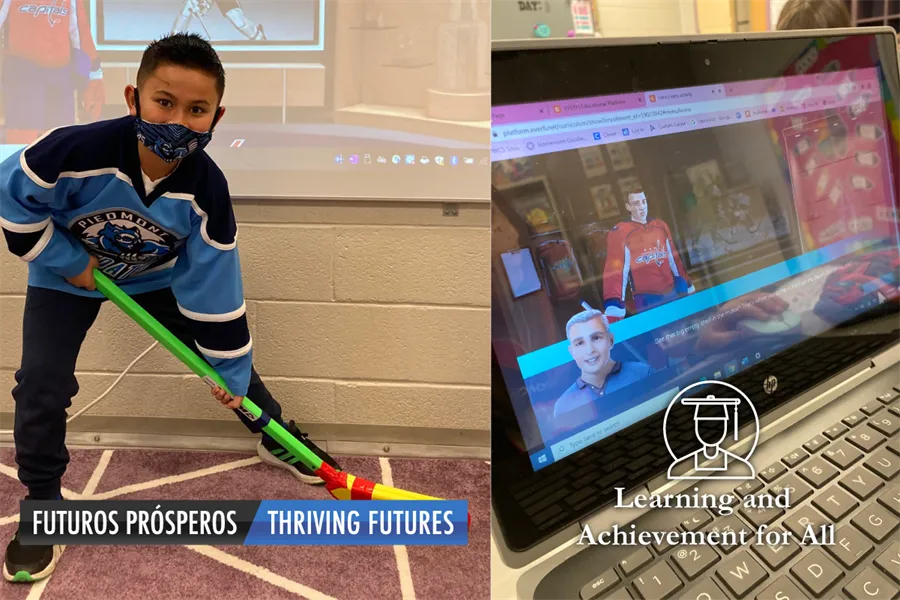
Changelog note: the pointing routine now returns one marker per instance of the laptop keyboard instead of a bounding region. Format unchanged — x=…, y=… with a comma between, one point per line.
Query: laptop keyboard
x=846, y=476
x=549, y=500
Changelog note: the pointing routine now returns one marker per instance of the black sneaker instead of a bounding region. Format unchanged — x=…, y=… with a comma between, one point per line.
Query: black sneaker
x=27, y=564
x=271, y=452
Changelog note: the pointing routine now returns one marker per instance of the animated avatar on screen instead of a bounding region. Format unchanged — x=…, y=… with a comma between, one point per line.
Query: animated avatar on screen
x=642, y=253
x=590, y=342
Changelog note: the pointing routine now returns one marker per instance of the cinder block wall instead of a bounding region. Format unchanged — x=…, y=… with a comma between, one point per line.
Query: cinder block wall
x=364, y=313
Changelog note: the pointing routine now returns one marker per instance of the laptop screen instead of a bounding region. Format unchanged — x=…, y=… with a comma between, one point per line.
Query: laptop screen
x=650, y=239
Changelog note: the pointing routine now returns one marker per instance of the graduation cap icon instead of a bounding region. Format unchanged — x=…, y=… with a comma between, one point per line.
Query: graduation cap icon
x=711, y=408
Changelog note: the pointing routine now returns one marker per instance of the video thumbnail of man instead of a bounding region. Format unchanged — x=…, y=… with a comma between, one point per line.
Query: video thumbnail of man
x=270, y=24
x=650, y=220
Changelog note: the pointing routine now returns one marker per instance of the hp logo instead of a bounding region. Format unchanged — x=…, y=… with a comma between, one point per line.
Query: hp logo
x=770, y=384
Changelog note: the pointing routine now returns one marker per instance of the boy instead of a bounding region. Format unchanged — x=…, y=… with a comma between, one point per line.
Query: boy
x=137, y=198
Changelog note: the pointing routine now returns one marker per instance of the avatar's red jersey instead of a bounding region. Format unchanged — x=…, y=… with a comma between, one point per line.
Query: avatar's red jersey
x=44, y=32
x=643, y=255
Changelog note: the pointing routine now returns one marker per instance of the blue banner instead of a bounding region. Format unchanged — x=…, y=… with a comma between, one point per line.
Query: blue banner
x=245, y=522
x=537, y=362
x=363, y=523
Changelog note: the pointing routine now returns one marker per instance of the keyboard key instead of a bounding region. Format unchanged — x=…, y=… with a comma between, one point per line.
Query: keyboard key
x=887, y=397
x=635, y=561
x=798, y=521
x=850, y=546
x=870, y=584
x=853, y=419
x=835, y=503
x=876, y=522
x=751, y=486
x=600, y=584
x=890, y=499
x=842, y=455
x=894, y=410
x=729, y=530
x=865, y=438
x=799, y=491
x=872, y=407
x=705, y=590
x=694, y=560
x=835, y=431
x=886, y=423
x=772, y=472
x=779, y=554
x=696, y=521
x=816, y=572
x=817, y=443
x=742, y=573
x=795, y=458
x=862, y=482
x=894, y=445
x=817, y=472
x=658, y=582
x=662, y=546
x=757, y=517
x=889, y=561
x=782, y=589
x=885, y=463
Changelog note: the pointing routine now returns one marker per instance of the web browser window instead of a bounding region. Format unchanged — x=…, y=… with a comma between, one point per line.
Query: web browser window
x=658, y=217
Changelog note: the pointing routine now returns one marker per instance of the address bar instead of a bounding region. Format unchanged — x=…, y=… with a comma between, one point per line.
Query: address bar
x=738, y=103
x=525, y=130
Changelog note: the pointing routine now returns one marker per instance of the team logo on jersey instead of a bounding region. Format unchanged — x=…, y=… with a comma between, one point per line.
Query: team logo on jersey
x=657, y=255
x=56, y=8
x=126, y=243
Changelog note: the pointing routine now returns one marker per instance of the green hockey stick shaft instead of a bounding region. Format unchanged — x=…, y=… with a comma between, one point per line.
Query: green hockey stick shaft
x=202, y=369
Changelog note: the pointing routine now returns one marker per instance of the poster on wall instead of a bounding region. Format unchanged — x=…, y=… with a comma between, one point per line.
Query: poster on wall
x=605, y=203
x=706, y=179
x=511, y=171
x=620, y=156
x=582, y=17
x=532, y=200
x=629, y=184
x=592, y=161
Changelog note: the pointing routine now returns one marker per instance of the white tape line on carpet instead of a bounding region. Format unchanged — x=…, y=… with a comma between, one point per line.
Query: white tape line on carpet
x=406, y=583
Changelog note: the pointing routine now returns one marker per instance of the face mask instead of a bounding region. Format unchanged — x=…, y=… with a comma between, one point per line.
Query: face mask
x=170, y=141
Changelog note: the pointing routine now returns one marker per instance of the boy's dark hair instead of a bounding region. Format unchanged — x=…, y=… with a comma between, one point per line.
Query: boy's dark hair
x=187, y=50
x=814, y=14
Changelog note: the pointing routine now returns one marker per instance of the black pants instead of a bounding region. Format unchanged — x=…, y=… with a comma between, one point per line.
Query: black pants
x=54, y=328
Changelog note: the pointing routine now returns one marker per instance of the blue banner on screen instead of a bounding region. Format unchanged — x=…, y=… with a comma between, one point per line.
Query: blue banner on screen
x=558, y=354
x=370, y=523
x=245, y=522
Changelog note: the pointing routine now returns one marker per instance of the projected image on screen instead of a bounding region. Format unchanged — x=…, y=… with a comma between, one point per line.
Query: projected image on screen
x=324, y=98
x=258, y=21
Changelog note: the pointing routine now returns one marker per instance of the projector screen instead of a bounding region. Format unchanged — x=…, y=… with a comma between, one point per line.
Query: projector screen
x=325, y=98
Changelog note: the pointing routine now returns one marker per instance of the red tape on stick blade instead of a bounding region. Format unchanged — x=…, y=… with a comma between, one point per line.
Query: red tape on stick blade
x=362, y=489
x=334, y=480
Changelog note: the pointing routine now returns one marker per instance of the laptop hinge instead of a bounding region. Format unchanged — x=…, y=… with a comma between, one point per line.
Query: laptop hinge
x=609, y=515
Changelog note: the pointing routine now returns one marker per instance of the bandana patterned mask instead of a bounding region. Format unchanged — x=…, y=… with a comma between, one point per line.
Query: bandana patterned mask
x=170, y=141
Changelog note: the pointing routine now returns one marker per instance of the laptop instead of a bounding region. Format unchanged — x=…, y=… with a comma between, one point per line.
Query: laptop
x=695, y=264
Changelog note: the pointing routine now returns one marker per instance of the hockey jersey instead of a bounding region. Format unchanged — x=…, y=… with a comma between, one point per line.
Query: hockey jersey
x=644, y=256
x=45, y=31
x=79, y=190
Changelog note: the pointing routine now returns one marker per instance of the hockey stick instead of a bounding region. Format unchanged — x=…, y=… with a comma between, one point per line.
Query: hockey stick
x=183, y=21
x=339, y=484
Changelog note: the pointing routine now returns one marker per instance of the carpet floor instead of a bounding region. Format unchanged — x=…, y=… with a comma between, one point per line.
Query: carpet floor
x=250, y=572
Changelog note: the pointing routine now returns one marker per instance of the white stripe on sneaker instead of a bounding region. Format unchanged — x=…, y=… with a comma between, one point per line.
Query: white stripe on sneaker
x=270, y=459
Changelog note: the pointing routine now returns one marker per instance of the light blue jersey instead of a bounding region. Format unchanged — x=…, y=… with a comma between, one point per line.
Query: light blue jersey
x=79, y=190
